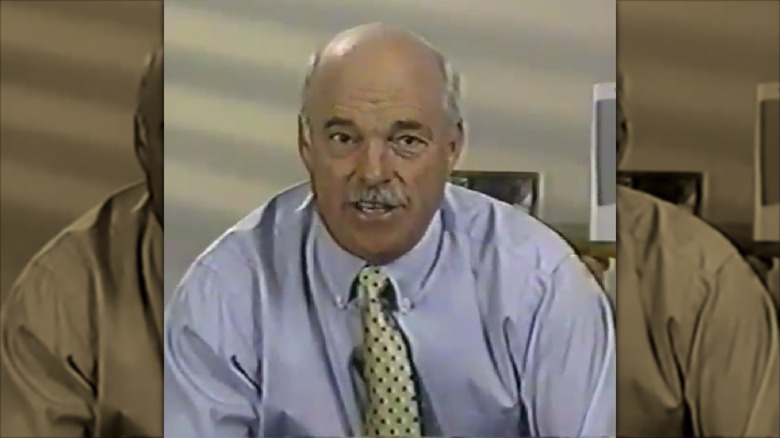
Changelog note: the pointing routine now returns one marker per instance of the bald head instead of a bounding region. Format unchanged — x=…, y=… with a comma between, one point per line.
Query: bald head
x=378, y=37
x=401, y=54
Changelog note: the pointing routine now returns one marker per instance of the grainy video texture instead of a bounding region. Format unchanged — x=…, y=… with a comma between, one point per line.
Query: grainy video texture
x=333, y=183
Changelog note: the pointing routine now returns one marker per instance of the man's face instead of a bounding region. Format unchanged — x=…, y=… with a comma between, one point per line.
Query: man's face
x=149, y=131
x=379, y=147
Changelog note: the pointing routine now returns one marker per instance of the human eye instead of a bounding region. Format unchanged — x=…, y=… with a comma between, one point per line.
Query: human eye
x=409, y=145
x=341, y=138
x=341, y=143
x=410, y=140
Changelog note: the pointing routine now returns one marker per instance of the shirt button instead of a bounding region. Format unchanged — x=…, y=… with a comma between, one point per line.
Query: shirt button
x=405, y=305
x=341, y=302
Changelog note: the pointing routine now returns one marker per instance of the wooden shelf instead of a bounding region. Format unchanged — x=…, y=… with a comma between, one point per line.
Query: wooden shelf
x=598, y=250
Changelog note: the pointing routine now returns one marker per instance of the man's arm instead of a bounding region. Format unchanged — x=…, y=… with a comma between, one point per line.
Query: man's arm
x=734, y=372
x=212, y=355
x=569, y=383
x=47, y=357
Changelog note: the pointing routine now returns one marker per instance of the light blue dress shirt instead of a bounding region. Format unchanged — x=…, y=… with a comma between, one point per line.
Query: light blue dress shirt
x=509, y=333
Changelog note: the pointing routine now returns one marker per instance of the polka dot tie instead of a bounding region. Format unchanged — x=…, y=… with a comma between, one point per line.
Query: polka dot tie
x=392, y=403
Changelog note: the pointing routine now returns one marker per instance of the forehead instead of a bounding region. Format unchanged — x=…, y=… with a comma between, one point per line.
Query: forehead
x=381, y=88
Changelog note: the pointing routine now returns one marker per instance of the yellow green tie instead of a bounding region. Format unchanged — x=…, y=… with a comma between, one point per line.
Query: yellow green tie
x=392, y=408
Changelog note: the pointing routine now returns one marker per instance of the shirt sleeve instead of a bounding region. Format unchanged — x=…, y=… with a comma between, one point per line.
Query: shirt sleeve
x=211, y=355
x=47, y=356
x=569, y=374
x=734, y=373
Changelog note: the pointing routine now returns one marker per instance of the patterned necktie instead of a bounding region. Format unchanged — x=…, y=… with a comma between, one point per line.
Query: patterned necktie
x=392, y=403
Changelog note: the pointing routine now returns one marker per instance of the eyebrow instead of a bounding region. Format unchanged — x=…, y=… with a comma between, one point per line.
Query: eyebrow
x=407, y=125
x=338, y=122
x=398, y=125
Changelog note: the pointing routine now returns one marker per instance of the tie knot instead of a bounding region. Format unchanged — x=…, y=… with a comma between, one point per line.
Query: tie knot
x=373, y=280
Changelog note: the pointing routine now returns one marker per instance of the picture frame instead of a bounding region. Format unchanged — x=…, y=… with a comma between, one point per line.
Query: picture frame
x=521, y=189
x=685, y=189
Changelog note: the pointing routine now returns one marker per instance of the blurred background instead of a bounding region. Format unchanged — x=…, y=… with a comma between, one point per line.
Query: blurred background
x=692, y=70
x=234, y=72
x=68, y=77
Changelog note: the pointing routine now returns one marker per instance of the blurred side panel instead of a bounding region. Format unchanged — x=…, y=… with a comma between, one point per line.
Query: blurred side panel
x=697, y=319
x=81, y=248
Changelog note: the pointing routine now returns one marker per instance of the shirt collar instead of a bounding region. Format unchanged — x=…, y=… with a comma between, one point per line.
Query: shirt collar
x=336, y=269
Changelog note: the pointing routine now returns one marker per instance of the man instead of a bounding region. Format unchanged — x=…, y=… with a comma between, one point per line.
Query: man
x=82, y=351
x=698, y=338
x=378, y=299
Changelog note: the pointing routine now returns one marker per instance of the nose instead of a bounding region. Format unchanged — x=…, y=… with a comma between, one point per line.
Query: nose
x=373, y=166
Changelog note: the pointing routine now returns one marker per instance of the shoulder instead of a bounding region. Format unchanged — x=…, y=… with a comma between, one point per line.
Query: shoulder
x=215, y=295
x=491, y=226
x=268, y=226
x=651, y=225
x=71, y=258
x=52, y=298
x=507, y=243
x=250, y=246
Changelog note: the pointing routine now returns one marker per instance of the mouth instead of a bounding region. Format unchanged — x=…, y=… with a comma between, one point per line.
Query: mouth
x=374, y=210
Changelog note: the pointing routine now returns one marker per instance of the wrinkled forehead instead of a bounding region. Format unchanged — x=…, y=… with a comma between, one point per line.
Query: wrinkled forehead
x=379, y=87
x=150, y=91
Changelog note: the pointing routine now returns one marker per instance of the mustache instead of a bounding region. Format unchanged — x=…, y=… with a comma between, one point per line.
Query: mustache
x=380, y=195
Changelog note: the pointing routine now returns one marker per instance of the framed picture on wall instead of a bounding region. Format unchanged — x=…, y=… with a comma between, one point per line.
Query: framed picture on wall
x=521, y=189
x=684, y=189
